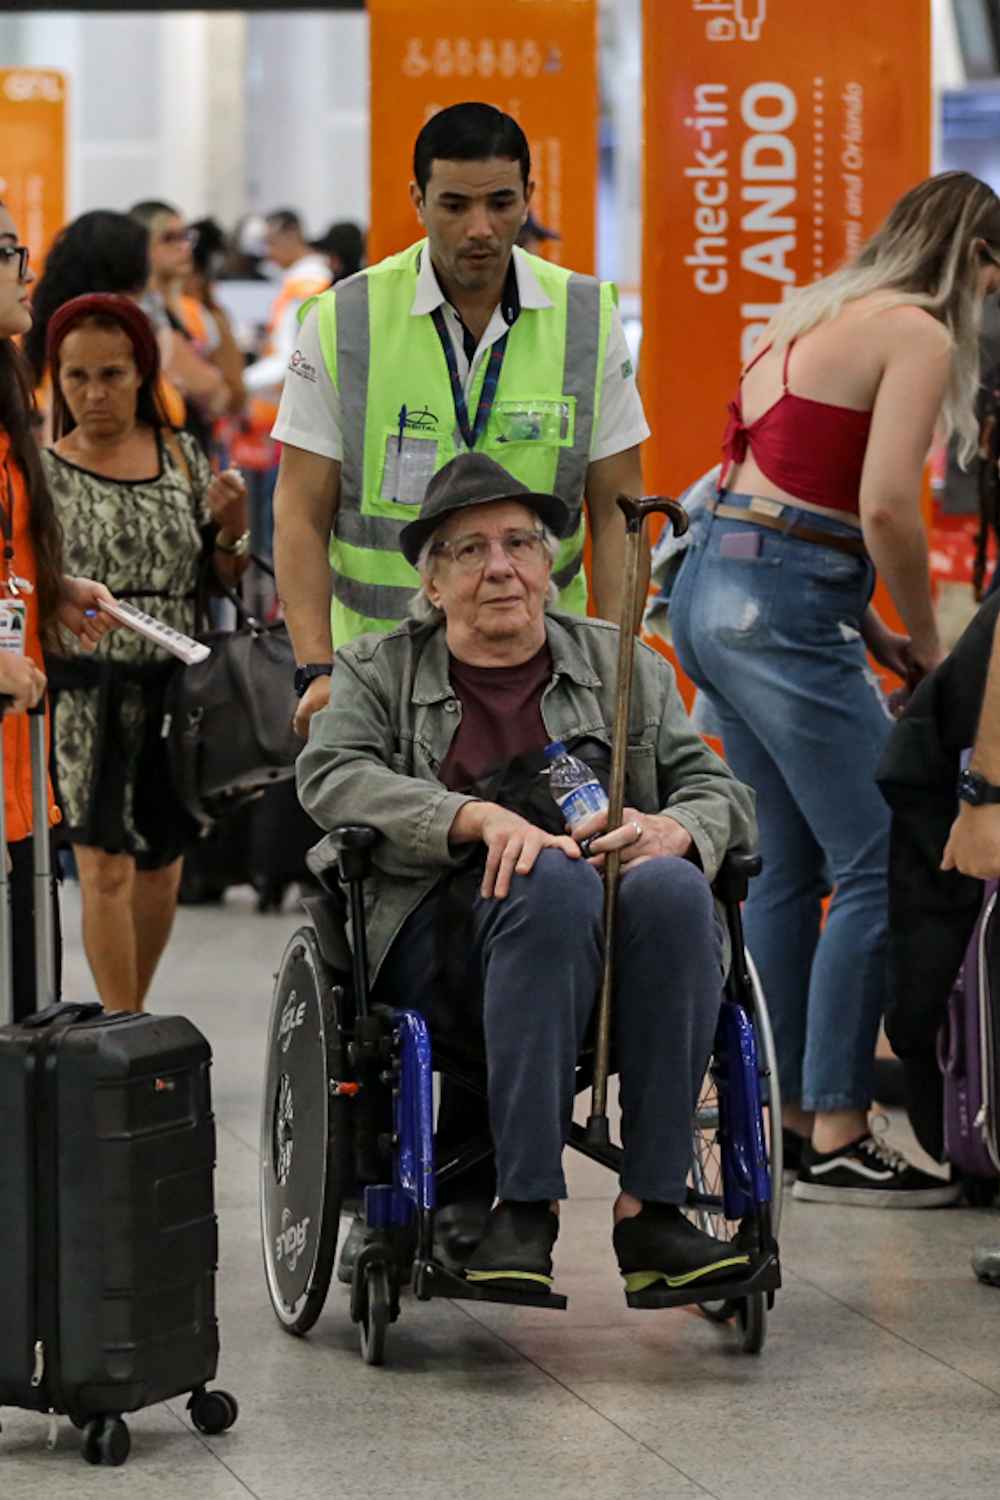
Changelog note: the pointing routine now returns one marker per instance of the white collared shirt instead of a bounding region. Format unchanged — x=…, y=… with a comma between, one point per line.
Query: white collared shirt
x=309, y=416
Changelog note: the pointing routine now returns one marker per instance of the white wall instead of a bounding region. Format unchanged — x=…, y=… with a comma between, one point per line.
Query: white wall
x=218, y=112
x=307, y=114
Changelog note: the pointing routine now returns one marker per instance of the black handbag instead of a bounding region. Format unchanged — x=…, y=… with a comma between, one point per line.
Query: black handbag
x=228, y=719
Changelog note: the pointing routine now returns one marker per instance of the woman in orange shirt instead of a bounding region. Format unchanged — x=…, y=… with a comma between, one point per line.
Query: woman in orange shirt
x=36, y=599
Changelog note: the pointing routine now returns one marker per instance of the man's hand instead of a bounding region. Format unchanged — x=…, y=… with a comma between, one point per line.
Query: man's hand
x=973, y=845
x=315, y=697
x=79, y=611
x=607, y=478
x=512, y=843
x=641, y=836
x=20, y=681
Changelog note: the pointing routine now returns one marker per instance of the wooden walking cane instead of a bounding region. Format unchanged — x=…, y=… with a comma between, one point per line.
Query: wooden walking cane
x=635, y=513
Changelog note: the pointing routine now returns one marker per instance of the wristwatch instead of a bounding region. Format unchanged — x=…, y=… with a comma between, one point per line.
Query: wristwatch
x=239, y=548
x=304, y=675
x=975, y=789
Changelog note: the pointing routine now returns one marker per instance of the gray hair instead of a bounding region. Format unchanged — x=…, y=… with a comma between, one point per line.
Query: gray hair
x=426, y=613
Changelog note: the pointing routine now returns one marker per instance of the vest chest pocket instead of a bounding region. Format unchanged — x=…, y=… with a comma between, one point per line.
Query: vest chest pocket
x=407, y=468
x=548, y=423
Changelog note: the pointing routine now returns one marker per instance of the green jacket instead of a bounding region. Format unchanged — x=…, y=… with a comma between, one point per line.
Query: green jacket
x=375, y=752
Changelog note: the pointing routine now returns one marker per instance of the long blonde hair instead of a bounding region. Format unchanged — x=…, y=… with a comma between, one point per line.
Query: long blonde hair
x=929, y=253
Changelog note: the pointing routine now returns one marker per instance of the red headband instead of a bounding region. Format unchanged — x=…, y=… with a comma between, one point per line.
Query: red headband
x=130, y=319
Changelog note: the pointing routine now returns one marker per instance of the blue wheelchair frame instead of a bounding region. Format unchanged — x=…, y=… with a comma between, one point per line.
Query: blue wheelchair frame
x=410, y=1198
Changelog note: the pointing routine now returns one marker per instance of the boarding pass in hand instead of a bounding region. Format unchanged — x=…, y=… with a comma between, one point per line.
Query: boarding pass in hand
x=181, y=645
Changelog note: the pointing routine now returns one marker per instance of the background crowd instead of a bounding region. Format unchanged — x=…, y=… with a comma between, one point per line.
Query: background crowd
x=154, y=396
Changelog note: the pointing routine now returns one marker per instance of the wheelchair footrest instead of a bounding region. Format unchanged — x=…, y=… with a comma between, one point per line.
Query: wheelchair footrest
x=432, y=1280
x=765, y=1277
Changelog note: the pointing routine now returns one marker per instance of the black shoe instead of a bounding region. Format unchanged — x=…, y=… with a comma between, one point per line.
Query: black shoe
x=869, y=1174
x=660, y=1244
x=403, y=1242
x=515, y=1252
x=349, y=1249
x=458, y=1228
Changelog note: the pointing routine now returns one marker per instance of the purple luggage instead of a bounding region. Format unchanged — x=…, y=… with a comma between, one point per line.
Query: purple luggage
x=967, y=1052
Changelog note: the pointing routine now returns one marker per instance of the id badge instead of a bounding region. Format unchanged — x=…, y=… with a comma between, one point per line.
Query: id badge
x=13, y=625
x=548, y=422
x=408, y=468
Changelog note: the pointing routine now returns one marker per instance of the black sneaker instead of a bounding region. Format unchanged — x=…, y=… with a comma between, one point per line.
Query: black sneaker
x=868, y=1173
x=515, y=1252
x=458, y=1228
x=660, y=1244
x=403, y=1242
x=349, y=1249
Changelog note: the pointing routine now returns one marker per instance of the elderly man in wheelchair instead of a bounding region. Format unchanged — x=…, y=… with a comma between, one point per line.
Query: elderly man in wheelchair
x=483, y=912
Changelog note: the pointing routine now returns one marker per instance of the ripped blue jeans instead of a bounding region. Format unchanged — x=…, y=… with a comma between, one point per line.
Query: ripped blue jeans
x=773, y=641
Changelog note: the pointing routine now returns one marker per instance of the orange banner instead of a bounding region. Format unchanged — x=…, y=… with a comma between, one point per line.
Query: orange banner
x=534, y=59
x=33, y=126
x=778, y=135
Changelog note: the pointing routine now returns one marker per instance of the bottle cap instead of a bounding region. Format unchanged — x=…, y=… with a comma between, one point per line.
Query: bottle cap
x=556, y=748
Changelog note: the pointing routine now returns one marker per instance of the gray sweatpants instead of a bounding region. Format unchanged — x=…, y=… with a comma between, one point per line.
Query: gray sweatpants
x=533, y=973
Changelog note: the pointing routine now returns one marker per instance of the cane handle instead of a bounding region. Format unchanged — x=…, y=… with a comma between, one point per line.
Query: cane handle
x=635, y=511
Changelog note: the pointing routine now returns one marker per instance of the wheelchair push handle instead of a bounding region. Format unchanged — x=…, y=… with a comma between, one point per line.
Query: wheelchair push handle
x=738, y=868
x=345, y=850
x=344, y=858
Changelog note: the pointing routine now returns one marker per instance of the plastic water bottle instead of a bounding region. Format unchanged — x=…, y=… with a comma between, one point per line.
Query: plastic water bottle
x=573, y=785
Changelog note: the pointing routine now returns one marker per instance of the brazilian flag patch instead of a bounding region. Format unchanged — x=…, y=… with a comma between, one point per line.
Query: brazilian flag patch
x=626, y=369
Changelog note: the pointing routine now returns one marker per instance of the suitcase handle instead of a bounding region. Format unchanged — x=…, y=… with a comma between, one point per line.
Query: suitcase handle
x=69, y=1011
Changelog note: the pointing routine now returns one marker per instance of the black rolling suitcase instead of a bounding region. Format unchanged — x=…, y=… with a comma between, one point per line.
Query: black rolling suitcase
x=108, y=1241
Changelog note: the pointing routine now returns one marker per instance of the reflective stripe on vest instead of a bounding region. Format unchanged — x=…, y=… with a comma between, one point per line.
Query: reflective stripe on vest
x=381, y=358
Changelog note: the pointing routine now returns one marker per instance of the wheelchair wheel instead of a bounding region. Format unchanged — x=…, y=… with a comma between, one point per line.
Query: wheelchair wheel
x=706, y=1168
x=304, y=1133
x=751, y=1322
x=770, y=1091
x=375, y=1313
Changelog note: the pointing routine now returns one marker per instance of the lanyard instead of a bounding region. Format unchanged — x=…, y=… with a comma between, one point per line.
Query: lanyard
x=490, y=381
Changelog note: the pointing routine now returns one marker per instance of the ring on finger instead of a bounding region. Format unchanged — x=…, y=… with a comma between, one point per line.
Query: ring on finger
x=638, y=832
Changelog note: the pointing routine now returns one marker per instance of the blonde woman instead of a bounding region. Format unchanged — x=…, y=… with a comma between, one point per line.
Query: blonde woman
x=827, y=439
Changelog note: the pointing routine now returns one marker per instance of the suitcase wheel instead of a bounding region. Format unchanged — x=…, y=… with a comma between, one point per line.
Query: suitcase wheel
x=106, y=1441
x=213, y=1411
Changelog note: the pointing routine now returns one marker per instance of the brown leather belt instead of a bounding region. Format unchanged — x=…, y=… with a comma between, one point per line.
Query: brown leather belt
x=796, y=529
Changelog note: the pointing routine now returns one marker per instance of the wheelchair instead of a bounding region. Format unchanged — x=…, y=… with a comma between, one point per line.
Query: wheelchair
x=348, y=1108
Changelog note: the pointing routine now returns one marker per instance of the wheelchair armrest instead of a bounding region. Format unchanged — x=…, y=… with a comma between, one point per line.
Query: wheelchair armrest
x=738, y=868
x=347, y=851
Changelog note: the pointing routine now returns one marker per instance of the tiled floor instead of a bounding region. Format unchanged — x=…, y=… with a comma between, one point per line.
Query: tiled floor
x=880, y=1377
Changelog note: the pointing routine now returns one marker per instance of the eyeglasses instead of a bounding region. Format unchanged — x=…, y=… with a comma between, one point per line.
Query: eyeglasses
x=471, y=553
x=7, y=254
x=179, y=237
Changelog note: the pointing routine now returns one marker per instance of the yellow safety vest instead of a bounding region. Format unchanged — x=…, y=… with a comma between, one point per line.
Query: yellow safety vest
x=399, y=426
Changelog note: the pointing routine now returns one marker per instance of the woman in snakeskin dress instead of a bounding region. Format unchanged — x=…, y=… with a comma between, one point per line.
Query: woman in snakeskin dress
x=141, y=508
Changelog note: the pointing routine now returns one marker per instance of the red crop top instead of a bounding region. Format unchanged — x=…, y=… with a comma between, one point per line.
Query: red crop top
x=812, y=449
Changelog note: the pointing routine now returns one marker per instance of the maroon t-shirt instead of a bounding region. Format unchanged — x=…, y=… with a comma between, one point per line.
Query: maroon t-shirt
x=501, y=716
